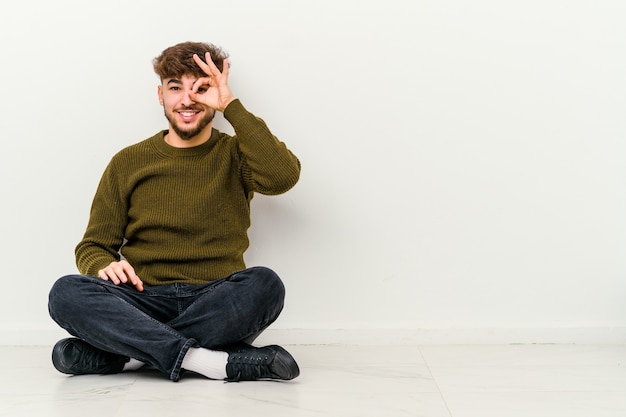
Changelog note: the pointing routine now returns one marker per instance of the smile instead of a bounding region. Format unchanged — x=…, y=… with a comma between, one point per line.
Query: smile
x=188, y=115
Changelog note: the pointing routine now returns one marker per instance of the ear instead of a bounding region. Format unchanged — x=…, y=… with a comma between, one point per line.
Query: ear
x=160, y=93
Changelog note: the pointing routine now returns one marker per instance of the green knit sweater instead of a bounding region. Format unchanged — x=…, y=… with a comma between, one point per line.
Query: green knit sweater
x=182, y=214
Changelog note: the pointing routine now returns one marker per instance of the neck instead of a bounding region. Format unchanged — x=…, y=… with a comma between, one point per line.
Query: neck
x=172, y=138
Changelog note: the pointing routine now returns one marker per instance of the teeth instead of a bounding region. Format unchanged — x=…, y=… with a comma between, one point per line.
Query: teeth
x=187, y=113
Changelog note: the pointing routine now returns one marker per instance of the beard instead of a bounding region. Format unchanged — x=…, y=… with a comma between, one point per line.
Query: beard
x=191, y=132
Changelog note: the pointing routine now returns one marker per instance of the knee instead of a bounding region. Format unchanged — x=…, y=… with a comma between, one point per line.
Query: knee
x=63, y=295
x=262, y=283
x=64, y=286
x=270, y=282
x=59, y=295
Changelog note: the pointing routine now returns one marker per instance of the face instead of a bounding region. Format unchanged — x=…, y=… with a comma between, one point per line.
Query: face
x=187, y=118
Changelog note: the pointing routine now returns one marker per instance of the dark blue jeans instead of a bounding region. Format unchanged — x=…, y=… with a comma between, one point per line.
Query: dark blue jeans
x=158, y=326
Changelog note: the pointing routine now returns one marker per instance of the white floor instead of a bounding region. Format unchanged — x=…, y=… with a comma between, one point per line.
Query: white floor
x=343, y=380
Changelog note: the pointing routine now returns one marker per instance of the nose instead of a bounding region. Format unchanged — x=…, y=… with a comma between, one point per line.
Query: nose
x=187, y=100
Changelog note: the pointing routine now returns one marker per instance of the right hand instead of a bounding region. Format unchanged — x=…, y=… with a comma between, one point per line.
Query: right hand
x=120, y=273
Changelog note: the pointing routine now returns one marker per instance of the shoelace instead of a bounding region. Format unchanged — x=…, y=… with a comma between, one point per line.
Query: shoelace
x=250, y=368
x=92, y=360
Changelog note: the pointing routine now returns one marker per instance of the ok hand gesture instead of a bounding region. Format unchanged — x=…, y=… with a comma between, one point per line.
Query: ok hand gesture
x=212, y=90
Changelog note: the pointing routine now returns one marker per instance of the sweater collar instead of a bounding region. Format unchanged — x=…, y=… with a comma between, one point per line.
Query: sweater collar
x=162, y=147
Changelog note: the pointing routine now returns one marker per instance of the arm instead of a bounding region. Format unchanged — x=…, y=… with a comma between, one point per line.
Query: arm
x=267, y=166
x=97, y=254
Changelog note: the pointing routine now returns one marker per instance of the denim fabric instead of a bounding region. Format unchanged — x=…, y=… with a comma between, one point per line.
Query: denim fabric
x=158, y=326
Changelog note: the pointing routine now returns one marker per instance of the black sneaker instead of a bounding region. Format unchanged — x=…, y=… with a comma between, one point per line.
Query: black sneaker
x=247, y=363
x=77, y=357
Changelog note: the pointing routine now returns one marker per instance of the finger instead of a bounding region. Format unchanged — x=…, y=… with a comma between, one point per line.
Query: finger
x=129, y=272
x=119, y=271
x=110, y=275
x=210, y=63
x=103, y=275
x=216, y=71
x=199, y=61
x=201, y=82
x=225, y=67
x=138, y=284
x=131, y=275
x=208, y=67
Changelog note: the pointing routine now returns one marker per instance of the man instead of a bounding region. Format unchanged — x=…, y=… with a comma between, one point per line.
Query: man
x=163, y=281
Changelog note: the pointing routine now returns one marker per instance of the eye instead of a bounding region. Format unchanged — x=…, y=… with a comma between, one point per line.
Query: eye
x=174, y=88
x=203, y=89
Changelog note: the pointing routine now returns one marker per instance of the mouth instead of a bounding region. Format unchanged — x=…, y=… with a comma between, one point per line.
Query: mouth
x=188, y=115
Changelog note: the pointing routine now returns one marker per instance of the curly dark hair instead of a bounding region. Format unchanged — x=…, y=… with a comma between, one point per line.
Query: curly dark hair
x=177, y=60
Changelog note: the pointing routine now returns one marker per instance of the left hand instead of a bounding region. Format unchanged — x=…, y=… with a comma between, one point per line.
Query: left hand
x=212, y=90
x=121, y=273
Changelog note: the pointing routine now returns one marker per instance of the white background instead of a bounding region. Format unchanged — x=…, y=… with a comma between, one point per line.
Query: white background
x=463, y=162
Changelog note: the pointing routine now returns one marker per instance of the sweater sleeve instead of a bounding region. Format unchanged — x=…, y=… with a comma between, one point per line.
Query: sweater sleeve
x=105, y=231
x=267, y=166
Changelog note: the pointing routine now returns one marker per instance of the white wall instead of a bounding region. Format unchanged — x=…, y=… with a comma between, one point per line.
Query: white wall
x=462, y=161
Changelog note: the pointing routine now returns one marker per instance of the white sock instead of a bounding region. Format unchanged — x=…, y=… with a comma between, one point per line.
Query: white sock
x=210, y=363
x=133, y=365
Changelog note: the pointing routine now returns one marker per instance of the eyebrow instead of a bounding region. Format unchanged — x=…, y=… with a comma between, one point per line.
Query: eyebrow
x=175, y=81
